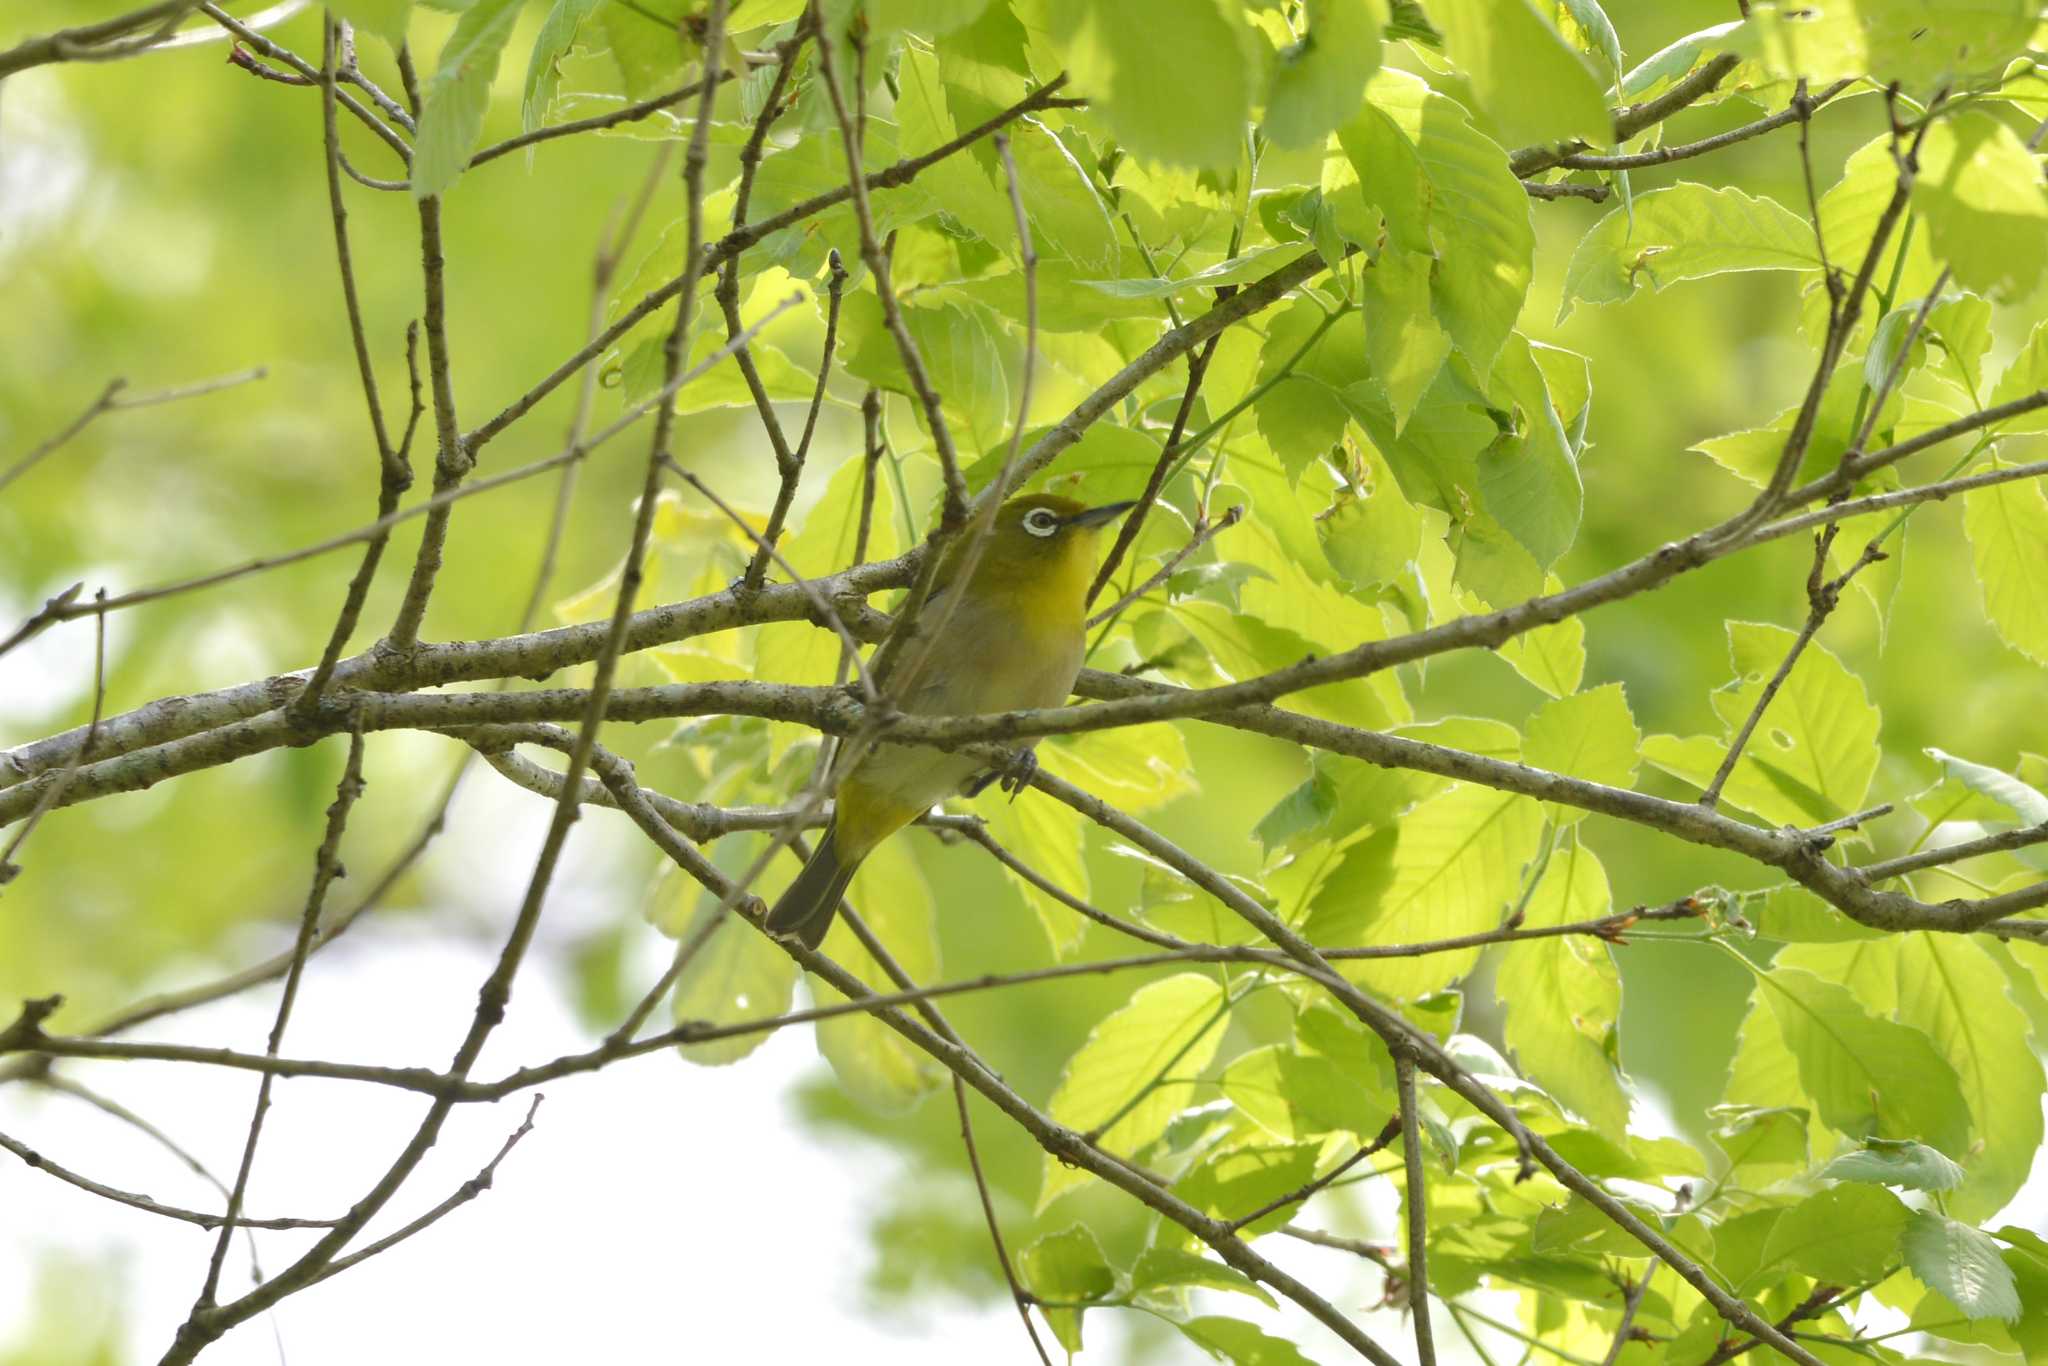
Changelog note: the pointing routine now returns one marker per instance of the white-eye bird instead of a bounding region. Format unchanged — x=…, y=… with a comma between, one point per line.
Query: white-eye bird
x=1009, y=638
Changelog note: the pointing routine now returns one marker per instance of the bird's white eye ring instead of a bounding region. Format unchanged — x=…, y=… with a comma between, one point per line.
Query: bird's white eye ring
x=1040, y=522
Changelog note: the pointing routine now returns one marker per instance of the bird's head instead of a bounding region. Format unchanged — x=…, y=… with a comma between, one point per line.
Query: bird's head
x=1043, y=544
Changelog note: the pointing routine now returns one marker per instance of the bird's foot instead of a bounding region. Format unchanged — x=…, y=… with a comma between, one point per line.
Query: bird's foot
x=1014, y=776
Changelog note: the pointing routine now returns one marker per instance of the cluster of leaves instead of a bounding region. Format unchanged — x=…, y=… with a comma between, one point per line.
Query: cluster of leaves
x=1406, y=449
x=1407, y=453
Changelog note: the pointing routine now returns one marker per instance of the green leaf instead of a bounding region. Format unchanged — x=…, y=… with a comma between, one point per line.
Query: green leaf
x=1866, y=1075
x=1319, y=81
x=1232, y=1182
x=1586, y=26
x=753, y=14
x=1563, y=994
x=1308, y=359
x=878, y=1067
x=2021, y=799
x=1372, y=540
x=1404, y=345
x=1973, y=37
x=1850, y=212
x=1172, y=1268
x=1980, y=190
x=1951, y=989
x=1668, y=65
x=1528, y=478
x=452, y=110
x=1763, y=1144
x=1815, y=750
x=385, y=18
x=1252, y=265
x=1551, y=657
x=1245, y=646
x=1175, y=1025
x=1050, y=837
x=1962, y=1263
x=1905, y=1164
x=1846, y=1235
x=646, y=43
x=739, y=973
x=932, y=17
x=1241, y=1343
x=1684, y=232
x=1067, y=216
x=1797, y=916
x=1451, y=187
x=1297, y=1096
x=957, y=345
x=2027, y=1254
x=1138, y=61
x=1067, y=1265
x=1752, y=455
x=1135, y=767
x=2024, y=377
x=1456, y=867
x=1528, y=80
x=1590, y=735
x=2008, y=529
x=550, y=45
x=1324, y=1031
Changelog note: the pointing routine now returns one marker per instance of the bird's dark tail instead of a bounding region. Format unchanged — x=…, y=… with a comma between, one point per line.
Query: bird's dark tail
x=805, y=911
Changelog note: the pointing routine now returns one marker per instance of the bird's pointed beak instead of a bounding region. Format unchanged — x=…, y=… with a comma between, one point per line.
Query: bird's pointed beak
x=1093, y=517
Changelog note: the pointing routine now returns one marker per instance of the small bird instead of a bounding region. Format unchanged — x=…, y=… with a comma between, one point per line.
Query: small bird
x=1009, y=638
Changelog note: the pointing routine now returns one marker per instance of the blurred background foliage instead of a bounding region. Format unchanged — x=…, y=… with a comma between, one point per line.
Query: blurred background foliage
x=166, y=221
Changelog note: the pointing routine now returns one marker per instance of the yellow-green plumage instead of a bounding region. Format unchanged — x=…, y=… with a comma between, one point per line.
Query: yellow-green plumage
x=1009, y=638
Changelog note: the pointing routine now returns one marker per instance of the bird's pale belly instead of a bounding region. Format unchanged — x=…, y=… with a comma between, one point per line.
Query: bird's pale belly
x=984, y=663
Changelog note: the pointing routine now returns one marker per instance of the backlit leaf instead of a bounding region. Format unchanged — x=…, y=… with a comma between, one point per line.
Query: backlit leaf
x=1685, y=232
x=1171, y=1026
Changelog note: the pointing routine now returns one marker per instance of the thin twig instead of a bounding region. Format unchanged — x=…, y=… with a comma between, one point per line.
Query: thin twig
x=1201, y=537
x=326, y=868
x=68, y=608
x=850, y=132
x=1632, y=119
x=1818, y=1301
x=995, y=1231
x=630, y=113
x=1134, y=521
x=1631, y=1301
x=309, y=74
x=1301, y=1193
x=110, y=400
x=54, y=793
x=790, y=464
x=827, y=613
x=1376, y=1253
x=727, y=294
x=394, y=472
x=1417, y=1202
x=1683, y=151
x=143, y=1202
x=1565, y=189
x=452, y=460
x=107, y=1105
x=463, y=1194
x=2023, y=838
x=909, y=633
x=109, y=40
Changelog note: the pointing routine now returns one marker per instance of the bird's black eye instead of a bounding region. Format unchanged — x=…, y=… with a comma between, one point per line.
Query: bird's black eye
x=1039, y=522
